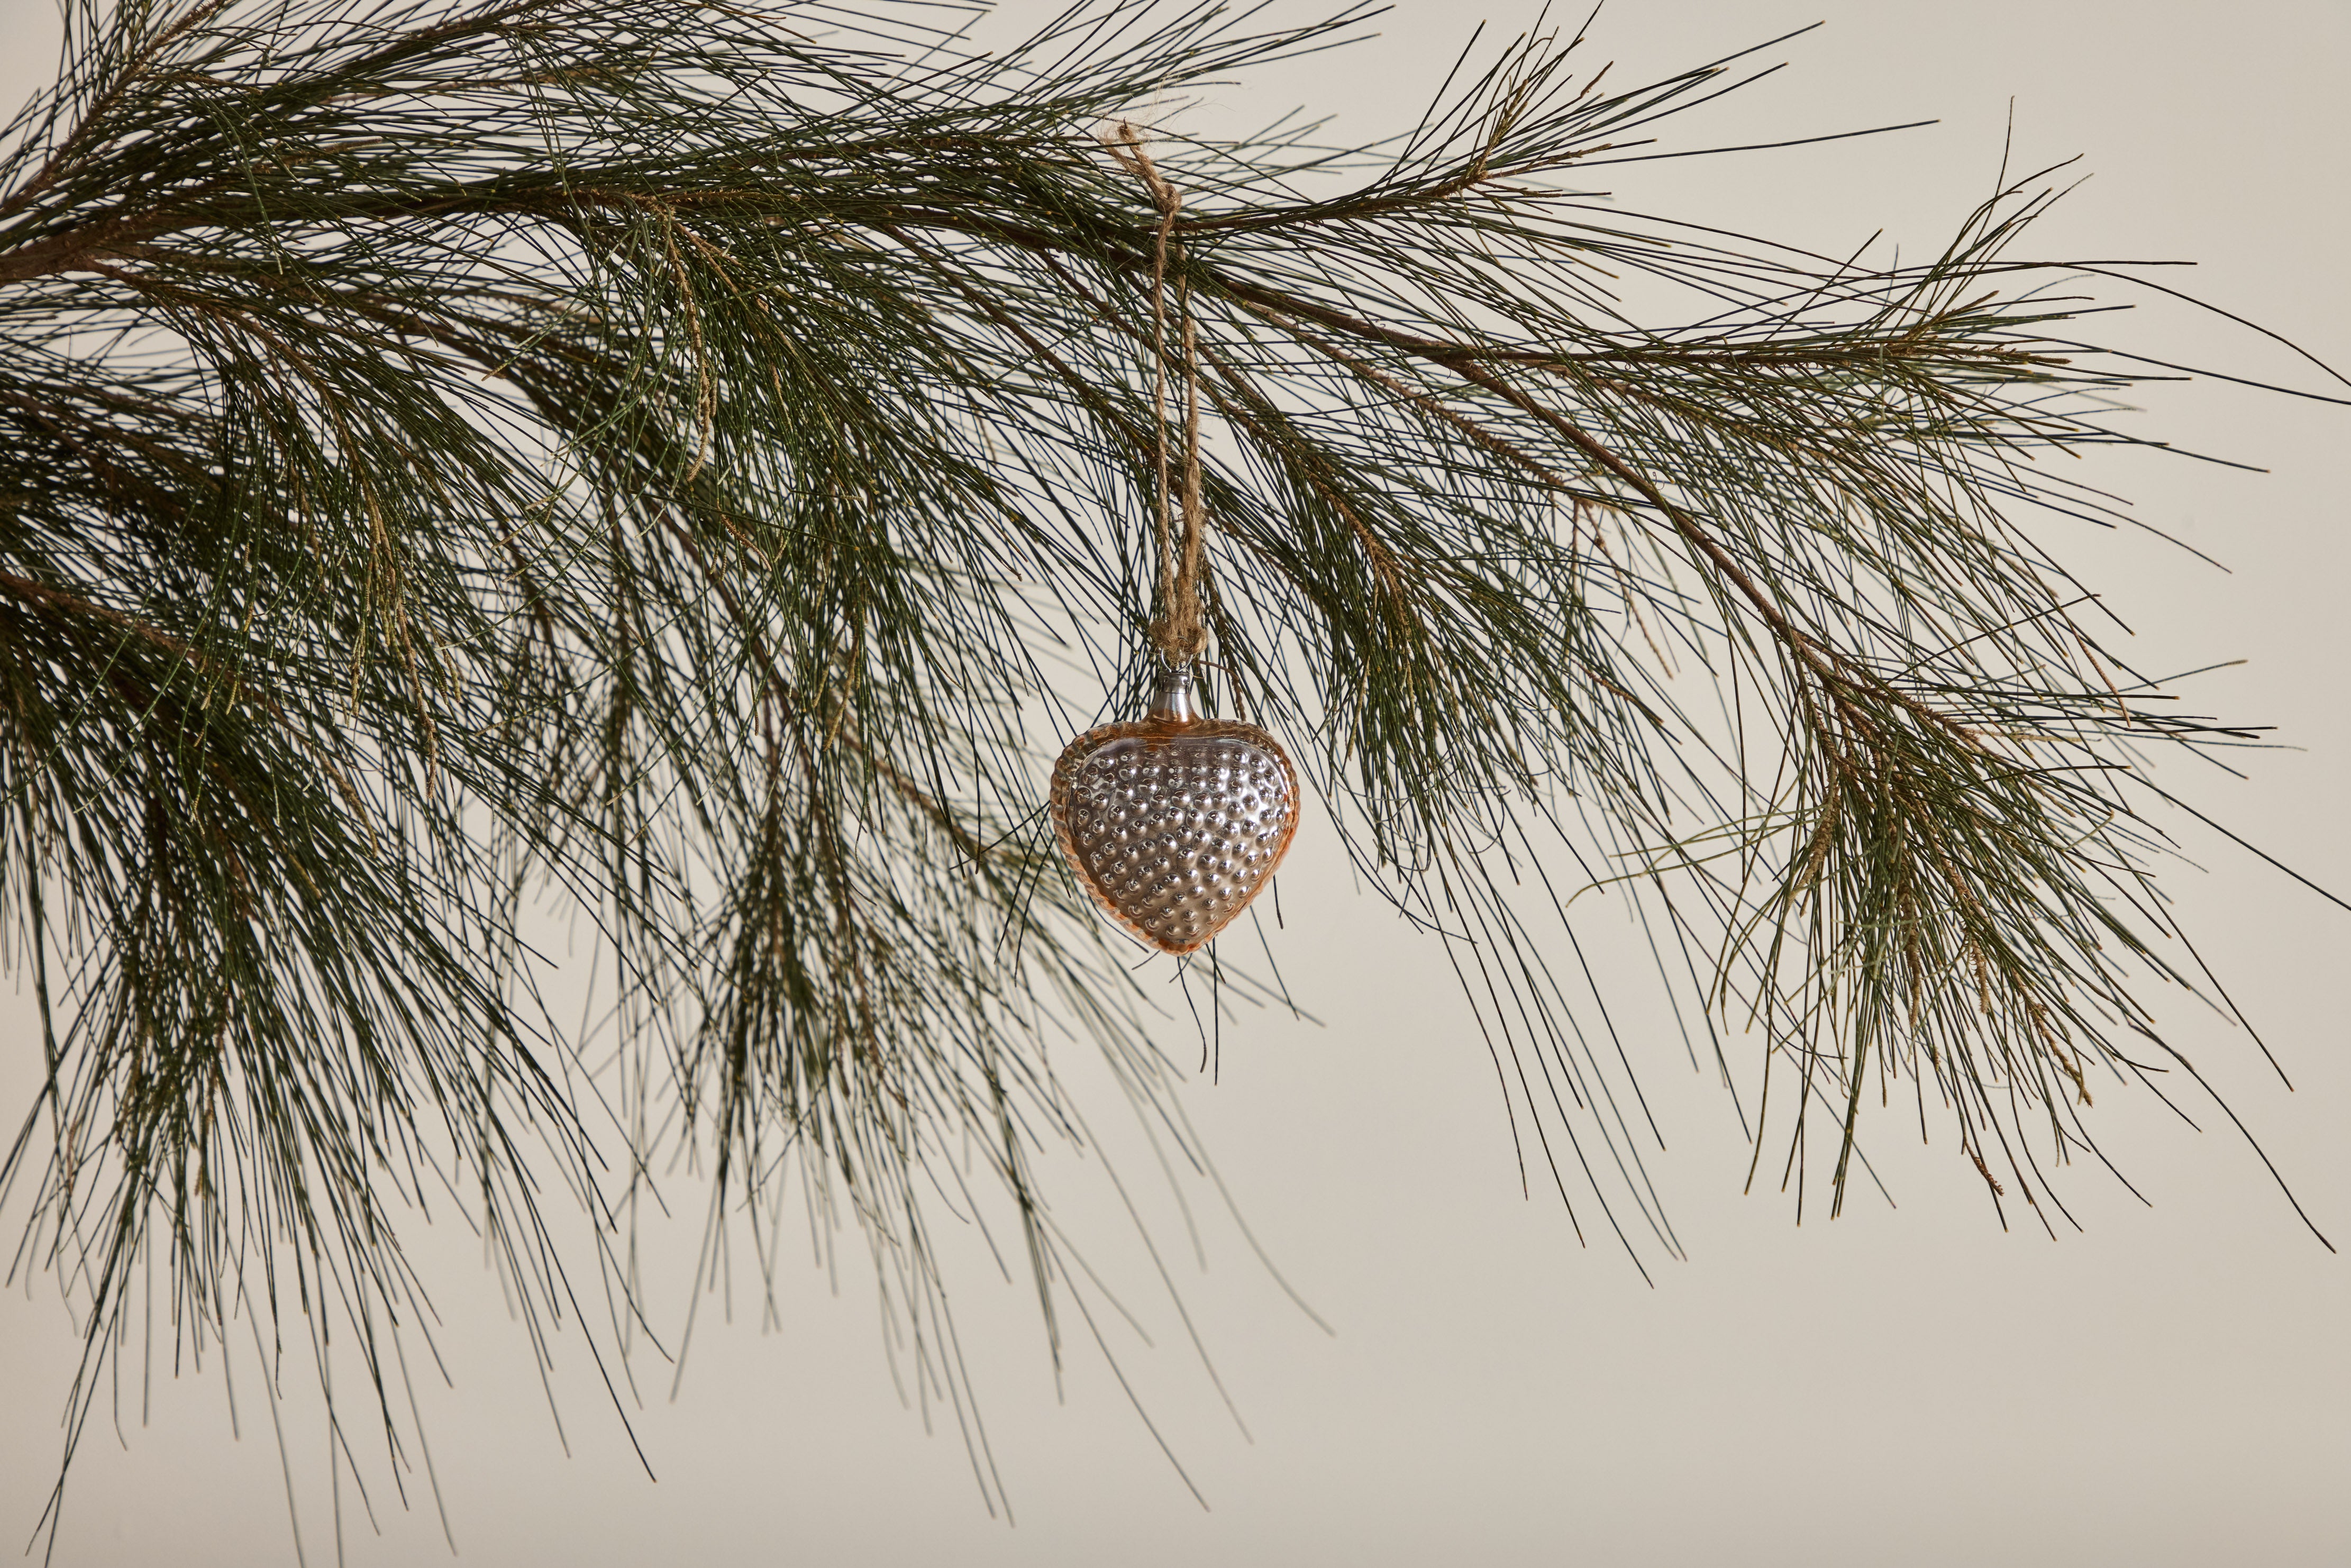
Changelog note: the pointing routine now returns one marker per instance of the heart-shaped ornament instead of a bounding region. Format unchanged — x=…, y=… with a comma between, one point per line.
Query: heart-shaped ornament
x=1174, y=821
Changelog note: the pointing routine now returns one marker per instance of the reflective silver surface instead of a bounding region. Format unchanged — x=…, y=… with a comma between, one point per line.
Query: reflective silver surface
x=1174, y=700
x=1173, y=826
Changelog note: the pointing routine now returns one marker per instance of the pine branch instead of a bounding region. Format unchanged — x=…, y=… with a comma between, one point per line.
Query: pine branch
x=687, y=467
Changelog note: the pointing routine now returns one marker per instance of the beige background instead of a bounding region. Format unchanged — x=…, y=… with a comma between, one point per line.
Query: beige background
x=1909, y=1387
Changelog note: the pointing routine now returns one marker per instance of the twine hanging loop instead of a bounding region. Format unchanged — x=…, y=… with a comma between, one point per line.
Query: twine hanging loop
x=1176, y=631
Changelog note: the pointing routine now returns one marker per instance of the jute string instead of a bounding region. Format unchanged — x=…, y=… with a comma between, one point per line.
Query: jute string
x=1176, y=631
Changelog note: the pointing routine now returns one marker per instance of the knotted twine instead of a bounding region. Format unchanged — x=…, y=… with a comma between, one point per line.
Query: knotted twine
x=1176, y=631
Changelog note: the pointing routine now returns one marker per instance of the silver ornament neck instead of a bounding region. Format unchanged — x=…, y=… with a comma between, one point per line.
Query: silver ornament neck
x=1173, y=699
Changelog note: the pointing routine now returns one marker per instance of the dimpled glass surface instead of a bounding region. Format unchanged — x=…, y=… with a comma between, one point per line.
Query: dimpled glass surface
x=1173, y=826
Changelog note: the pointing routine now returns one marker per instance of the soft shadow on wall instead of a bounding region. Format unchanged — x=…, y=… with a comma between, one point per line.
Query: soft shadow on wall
x=1905, y=1386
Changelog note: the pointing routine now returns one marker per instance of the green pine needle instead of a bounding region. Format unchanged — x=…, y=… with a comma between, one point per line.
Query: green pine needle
x=691, y=466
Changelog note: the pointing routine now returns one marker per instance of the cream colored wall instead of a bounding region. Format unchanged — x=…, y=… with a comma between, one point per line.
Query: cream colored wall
x=1911, y=1387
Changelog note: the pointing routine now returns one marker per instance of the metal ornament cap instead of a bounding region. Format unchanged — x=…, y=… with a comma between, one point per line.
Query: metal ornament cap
x=1174, y=822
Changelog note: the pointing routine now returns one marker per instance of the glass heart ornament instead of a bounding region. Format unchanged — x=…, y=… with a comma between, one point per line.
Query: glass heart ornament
x=1172, y=823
